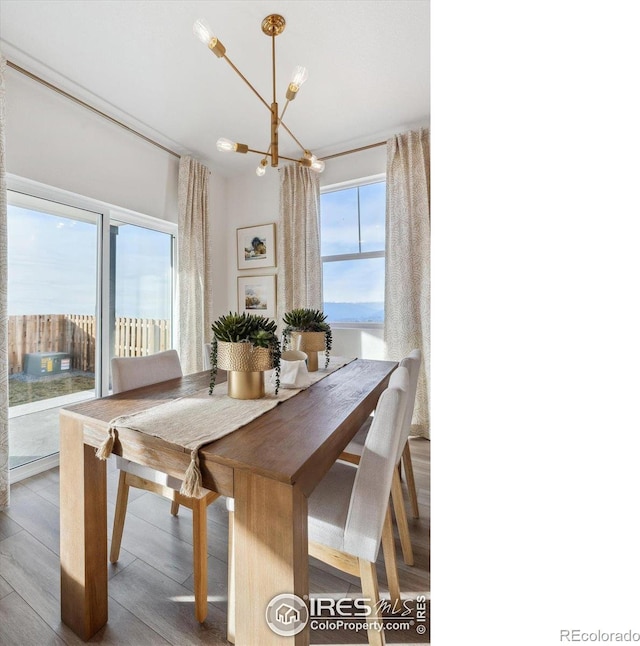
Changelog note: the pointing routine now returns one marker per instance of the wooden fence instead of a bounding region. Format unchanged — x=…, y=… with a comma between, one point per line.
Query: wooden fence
x=76, y=334
x=140, y=337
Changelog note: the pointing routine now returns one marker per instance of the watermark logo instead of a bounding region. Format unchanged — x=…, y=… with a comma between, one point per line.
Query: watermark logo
x=287, y=615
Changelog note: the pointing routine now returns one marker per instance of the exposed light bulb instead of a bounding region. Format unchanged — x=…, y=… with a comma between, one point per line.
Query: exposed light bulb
x=202, y=30
x=262, y=169
x=226, y=145
x=317, y=164
x=299, y=76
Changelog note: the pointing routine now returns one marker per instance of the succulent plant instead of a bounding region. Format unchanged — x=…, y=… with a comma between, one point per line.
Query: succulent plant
x=307, y=320
x=259, y=331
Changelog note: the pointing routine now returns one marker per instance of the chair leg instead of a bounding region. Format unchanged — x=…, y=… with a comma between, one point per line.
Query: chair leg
x=401, y=518
x=175, y=506
x=231, y=583
x=200, y=558
x=390, y=564
x=120, y=515
x=369, y=580
x=411, y=483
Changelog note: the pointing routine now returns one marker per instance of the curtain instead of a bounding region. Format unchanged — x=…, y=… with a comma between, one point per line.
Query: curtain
x=194, y=265
x=407, y=260
x=299, y=265
x=4, y=369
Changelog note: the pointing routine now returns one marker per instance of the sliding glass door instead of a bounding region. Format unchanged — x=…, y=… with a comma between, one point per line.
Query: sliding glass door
x=52, y=269
x=140, y=282
x=83, y=286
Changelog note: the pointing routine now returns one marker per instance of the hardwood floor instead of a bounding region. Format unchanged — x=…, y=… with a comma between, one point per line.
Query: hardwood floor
x=151, y=586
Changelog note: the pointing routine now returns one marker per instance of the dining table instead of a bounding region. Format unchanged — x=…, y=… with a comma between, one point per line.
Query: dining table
x=270, y=466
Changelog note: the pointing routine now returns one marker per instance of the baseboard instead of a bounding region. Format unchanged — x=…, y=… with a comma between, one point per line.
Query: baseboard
x=33, y=468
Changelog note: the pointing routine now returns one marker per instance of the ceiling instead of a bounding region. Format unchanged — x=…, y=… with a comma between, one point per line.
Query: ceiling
x=139, y=62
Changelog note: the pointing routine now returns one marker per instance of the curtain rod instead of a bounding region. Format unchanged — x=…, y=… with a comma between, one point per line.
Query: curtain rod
x=139, y=134
x=88, y=107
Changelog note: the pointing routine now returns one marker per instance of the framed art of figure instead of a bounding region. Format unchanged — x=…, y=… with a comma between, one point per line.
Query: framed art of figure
x=257, y=295
x=256, y=246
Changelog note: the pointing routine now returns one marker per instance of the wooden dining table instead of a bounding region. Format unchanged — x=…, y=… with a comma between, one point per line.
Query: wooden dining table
x=269, y=466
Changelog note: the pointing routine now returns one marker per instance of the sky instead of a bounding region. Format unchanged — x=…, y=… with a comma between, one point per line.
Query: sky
x=53, y=265
x=342, y=232
x=53, y=259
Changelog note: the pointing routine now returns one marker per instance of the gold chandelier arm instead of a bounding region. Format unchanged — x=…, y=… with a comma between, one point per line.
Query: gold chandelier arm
x=286, y=105
x=284, y=125
x=260, y=152
x=244, y=78
x=267, y=154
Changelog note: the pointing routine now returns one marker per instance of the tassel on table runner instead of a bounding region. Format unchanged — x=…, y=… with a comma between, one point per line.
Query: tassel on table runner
x=104, y=451
x=192, y=478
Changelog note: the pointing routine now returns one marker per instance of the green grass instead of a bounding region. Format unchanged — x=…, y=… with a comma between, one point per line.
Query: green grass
x=25, y=392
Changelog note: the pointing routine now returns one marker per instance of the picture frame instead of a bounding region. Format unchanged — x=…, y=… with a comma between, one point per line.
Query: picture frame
x=257, y=295
x=256, y=246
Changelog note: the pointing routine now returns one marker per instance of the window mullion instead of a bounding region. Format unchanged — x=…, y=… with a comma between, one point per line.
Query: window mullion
x=359, y=224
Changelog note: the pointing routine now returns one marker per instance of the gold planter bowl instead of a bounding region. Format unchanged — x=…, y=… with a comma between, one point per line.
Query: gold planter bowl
x=245, y=366
x=311, y=343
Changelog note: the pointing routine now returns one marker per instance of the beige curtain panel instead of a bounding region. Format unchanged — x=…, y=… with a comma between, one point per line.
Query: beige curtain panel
x=407, y=259
x=4, y=369
x=299, y=265
x=194, y=264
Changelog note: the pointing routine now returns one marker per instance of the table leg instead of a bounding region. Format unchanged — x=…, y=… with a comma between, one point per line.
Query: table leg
x=271, y=554
x=83, y=532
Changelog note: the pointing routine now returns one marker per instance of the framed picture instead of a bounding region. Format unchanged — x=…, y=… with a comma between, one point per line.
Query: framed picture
x=257, y=246
x=257, y=295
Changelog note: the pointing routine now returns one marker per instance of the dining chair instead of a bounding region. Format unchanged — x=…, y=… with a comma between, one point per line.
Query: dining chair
x=129, y=373
x=349, y=511
x=354, y=449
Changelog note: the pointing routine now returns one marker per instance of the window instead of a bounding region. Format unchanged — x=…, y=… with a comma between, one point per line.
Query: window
x=352, y=232
x=85, y=283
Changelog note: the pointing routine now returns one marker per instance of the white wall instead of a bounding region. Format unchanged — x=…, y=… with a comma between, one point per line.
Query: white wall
x=355, y=166
x=54, y=141
x=255, y=200
x=250, y=200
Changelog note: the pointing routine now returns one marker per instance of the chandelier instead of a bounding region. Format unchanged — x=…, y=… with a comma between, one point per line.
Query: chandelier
x=273, y=25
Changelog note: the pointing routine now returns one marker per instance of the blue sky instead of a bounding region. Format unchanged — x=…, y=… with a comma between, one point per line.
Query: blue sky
x=353, y=281
x=53, y=260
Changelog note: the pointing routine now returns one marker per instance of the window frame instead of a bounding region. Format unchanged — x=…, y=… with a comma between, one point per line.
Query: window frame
x=104, y=213
x=363, y=255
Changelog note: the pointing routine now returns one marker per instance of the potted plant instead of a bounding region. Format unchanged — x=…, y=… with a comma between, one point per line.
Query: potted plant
x=245, y=345
x=307, y=330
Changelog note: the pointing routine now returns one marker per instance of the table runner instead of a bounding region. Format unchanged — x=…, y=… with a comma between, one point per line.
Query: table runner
x=187, y=421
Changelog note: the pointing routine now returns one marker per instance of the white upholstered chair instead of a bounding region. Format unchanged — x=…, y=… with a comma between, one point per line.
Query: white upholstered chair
x=354, y=450
x=129, y=373
x=349, y=510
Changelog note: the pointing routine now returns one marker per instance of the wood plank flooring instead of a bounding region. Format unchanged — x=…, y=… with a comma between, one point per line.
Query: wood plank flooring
x=151, y=586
